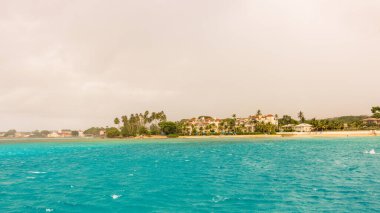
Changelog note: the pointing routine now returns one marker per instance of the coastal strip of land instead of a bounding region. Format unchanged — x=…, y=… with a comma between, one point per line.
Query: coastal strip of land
x=326, y=134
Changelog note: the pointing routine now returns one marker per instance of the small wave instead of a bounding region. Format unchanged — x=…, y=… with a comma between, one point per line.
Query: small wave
x=30, y=177
x=371, y=152
x=218, y=199
x=115, y=196
x=36, y=172
x=49, y=210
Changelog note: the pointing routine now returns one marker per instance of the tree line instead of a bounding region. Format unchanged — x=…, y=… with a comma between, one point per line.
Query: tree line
x=156, y=123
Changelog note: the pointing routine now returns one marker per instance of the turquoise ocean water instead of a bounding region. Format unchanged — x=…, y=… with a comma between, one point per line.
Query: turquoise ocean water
x=236, y=175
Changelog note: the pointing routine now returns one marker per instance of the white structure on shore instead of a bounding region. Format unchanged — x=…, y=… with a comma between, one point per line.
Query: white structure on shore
x=374, y=121
x=303, y=127
x=53, y=135
x=207, y=124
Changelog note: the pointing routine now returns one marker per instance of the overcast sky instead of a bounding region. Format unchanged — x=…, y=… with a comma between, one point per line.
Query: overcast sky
x=76, y=64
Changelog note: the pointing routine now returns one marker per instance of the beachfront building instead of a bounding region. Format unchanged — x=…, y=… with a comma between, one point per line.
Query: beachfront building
x=303, y=127
x=372, y=121
x=209, y=125
x=81, y=134
x=288, y=128
x=65, y=133
x=271, y=119
x=201, y=125
x=53, y=135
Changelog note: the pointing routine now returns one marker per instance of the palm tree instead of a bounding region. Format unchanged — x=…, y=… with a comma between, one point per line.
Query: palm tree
x=117, y=122
x=376, y=111
x=301, y=117
x=258, y=113
x=220, y=127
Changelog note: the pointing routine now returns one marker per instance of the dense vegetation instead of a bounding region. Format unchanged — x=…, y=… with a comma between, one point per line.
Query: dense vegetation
x=95, y=131
x=156, y=123
x=375, y=112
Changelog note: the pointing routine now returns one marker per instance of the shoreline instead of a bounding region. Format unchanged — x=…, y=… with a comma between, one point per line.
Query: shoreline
x=338, y=134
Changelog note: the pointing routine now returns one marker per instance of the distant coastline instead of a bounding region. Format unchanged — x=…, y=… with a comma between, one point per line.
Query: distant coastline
x=259, y=125
x=327, y=134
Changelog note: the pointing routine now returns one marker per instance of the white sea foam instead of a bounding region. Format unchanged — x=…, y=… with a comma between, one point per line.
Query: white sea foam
x=371, y=152
x=115, y=196
x=30, y=177
x=36, y=172
x=218, y=199
x=49, y=210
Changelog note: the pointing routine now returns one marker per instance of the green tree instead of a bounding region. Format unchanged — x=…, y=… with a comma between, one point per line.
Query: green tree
x=258, y=113
x=75, y=133
x=142, y=123
x=301, y=117
x=168, y=127
x=117, y=121
x=112, y=132
x=375, y=111
x=11, y=133
x=265, y=128
x=154, y=129
x=286, y=119
x=45, y=133
x=95, y=131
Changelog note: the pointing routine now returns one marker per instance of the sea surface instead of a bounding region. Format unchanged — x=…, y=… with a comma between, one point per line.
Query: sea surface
x=177, y=175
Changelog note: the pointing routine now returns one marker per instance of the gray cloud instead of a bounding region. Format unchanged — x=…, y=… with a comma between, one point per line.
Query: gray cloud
x=74, y=64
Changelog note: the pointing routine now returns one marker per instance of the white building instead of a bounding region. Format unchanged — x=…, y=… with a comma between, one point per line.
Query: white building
x=303, y=127
x=81, y=134
x=264, y=119
x=53, y=135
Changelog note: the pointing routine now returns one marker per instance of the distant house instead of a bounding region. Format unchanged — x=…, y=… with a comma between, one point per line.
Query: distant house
x=53, y=135
x=210, y=125
x=264, y=119
x=288, y=128
x=303, y=127
x=373, y=121
x=65, y=133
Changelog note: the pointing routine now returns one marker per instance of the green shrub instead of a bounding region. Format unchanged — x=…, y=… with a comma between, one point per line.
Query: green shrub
x=112, y=132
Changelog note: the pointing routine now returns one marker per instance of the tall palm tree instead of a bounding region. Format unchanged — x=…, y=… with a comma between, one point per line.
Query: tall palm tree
x=301, y=117
x=117, y=122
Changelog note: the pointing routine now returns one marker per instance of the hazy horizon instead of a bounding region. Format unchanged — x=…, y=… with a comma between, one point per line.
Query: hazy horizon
x=77, y=64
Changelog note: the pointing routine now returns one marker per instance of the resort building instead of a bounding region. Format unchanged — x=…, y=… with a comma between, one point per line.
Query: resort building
x=264, y=119
x=303, y=127
x=210, y=125
x=372, y=121
x=53, y=135
x=288, y=128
